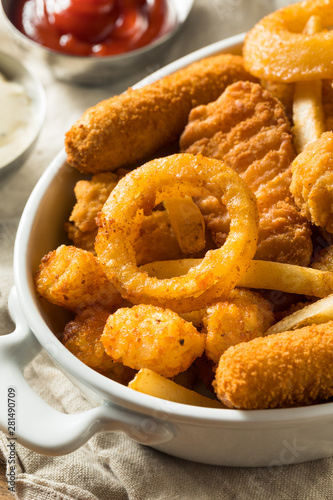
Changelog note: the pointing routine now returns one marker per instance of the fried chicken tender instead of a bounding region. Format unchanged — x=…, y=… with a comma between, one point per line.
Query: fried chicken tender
x=73, y=278
x=82, y=337
x=247, y=128
x=312, y=181
x=282, y=370
x=244, y=316
x=127, y=128
x=146, y=336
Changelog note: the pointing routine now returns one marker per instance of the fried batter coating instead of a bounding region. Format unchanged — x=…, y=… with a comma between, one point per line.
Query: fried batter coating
x=127, y=128
x=73, y=278
x=312, y=181
x=91, y=196
x=82, y=337
x=244, y=316
x=146, y=336
x=247, y=128
x=282, y=370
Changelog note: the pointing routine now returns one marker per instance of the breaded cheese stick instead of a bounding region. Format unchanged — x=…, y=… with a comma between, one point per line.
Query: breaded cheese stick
x=127, y=128
x=282, y=370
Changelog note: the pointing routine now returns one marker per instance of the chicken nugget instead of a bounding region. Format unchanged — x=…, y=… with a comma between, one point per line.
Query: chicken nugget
x=244, y=316
x=128, y=128
x=73, y=278
x=247, y=128
x=146, y=336
x=286, y=369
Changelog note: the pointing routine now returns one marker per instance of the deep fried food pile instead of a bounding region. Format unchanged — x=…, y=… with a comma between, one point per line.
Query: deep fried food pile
x=200, y=266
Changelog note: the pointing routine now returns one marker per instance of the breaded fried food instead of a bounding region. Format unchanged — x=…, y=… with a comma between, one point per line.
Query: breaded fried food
x=146, y=336
x=244, y=316
x=128, y=128
x=312, y=181
x=90, y=198
x=247, y=128
x=282, y=370
x=82, y=337
x=73, y=278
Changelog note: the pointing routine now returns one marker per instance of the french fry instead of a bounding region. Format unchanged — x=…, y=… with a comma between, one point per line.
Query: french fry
x=308, y=116
x=187, y=223
x=319, y=312
x=288, y=278
x=149, y=382
x=261, y=274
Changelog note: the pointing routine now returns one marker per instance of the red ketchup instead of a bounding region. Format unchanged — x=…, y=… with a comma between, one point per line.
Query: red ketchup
x=93, y=27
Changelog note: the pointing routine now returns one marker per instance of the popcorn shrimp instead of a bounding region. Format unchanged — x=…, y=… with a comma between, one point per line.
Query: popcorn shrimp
x=146, y=336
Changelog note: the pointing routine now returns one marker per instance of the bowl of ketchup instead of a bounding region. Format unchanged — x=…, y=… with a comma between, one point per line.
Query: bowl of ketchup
x=94, y=41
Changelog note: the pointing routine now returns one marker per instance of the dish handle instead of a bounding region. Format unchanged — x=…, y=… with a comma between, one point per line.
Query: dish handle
x=29, y=420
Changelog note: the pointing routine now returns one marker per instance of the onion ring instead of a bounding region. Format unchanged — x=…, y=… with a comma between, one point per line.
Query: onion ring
x=277, y=49
x=136, y=195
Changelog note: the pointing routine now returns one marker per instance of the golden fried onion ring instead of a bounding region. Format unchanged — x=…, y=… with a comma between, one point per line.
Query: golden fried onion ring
x=144, y=188
x=277, y=49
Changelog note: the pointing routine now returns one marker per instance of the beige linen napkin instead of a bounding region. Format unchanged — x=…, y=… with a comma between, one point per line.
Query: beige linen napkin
x=111, y=465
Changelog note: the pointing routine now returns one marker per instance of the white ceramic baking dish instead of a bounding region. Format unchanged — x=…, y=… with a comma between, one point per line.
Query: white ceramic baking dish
x=214, y=436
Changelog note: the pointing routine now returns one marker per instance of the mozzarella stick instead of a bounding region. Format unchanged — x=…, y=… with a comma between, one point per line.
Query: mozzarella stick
x=127, y=128
x=287, y=369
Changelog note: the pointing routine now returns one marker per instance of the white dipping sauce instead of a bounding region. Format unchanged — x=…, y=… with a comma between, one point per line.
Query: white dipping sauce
x=17, y=120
